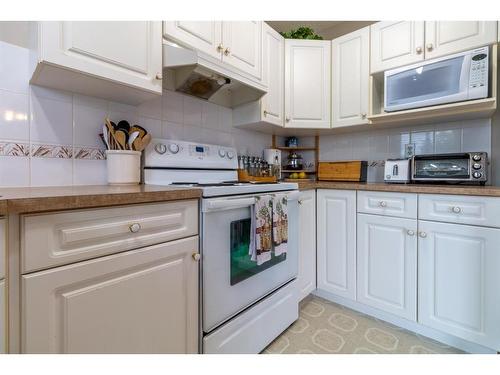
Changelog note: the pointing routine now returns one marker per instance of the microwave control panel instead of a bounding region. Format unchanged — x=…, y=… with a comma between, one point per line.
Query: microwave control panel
x=479, y=70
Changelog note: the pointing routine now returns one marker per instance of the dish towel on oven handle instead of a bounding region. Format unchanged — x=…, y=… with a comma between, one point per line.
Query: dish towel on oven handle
x=280, y=224
x=261, y=229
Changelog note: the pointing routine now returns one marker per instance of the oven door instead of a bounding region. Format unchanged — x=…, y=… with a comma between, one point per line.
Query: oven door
x=231, y=280
x=441, y=81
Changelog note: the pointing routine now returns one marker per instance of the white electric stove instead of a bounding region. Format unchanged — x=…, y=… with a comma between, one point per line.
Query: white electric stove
x=244, y=306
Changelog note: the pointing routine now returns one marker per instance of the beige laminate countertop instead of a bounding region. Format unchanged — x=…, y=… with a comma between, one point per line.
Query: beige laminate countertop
x=40, y=199
x=491, y=191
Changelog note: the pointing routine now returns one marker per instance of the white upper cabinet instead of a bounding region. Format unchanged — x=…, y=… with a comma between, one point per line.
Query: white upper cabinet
x=307, y=83
x=205, y=36
x=396, y=44
x=336, y=239
x=448, y=37
x=306, y=278
x=350, y=78
x=242, y=42
x=458, y=283
x=3, y=245
x=140, y=301
x=273, y=45
x=98, y=57
x=387, y=264
x=236, y=43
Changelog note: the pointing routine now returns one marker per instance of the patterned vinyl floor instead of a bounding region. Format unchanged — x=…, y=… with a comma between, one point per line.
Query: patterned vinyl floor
x=325, y=327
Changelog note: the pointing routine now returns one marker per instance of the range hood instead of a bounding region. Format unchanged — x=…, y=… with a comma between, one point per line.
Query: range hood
x=188, y=72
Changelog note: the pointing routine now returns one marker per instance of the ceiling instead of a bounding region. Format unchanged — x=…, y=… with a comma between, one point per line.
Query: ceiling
x=327, y=29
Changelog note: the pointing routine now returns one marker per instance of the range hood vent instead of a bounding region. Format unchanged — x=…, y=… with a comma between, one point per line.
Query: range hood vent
x=185, y=71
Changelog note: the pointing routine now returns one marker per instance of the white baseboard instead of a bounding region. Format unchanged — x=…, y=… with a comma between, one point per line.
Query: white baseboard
x=445, y=338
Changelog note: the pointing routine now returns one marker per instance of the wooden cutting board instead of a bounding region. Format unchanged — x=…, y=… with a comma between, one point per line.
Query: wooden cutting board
x=342, y=171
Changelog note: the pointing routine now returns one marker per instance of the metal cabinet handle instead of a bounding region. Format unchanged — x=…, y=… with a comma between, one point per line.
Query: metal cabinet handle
x=429, y=46
x=220, y=48
x=196, y=256
x=382, y=204
x=265, y=112
x=227, y=51
x=410, y=232
x=422, y=234
x=456, y=209
x=159, y=76
x=419, y=50
x=134, y=228
x=287, y=119
x=363, y=115
x=300, y=201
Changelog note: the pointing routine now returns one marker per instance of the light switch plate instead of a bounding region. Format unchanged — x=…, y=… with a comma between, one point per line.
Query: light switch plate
x=409, y=150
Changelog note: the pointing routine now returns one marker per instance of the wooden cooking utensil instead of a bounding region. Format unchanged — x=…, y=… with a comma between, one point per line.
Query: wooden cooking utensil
x=141, y=143
x=121, y=137
x=132, y=137
x=140, y=129
x=123, y=124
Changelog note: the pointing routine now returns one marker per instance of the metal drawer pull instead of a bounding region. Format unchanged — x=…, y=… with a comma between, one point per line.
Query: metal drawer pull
x=382, y=204
x=456, y=209
x=423, y=234
x=409, y=232
x=134, y=228
x=196, y=256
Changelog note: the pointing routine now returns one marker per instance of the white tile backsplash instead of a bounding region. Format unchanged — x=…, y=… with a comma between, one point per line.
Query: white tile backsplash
x=14, y=115
x=51, y=121
x=377, y=145
x=51, y=172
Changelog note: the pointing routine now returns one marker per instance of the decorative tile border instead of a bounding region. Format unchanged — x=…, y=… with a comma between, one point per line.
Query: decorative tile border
x=51, y=151
x=14, y=149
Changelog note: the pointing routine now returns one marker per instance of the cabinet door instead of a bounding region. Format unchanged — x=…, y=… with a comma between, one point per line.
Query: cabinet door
x=448, y=37
x=307, y=243
x=205, y=36
x=307, y=83
x=350, y=78
x=336, y=236
x=387, y=264
x=273, y=46
x=129, y=53
x=3, y=326
x=396, y=44
x=458, y=276
x=140, y=301
x=242, y=41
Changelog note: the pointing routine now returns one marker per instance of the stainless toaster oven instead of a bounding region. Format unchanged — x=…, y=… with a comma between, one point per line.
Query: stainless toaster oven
x=456, y=167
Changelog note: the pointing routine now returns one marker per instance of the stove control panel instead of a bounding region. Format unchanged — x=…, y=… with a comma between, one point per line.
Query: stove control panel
x=168, y=153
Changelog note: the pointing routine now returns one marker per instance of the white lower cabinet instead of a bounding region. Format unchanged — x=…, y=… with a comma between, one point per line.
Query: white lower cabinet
x=387, y=264
x=458, y=291
x=3, y=325
x=139, y=301
x=336, y=242
x=306, y=279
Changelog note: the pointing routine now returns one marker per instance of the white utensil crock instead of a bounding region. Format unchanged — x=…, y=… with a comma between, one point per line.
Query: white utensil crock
x=124, y=167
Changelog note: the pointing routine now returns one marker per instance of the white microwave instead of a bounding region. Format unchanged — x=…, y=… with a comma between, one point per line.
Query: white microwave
x=453, y=78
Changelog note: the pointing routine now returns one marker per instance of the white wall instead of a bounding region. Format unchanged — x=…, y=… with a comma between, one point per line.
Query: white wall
x=50, y=137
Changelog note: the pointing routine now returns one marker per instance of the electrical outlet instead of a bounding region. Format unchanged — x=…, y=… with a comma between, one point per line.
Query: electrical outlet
x=409, y=150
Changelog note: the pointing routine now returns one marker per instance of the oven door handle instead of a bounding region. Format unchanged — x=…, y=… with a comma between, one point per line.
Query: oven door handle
x=225, y=204
x=231, y=203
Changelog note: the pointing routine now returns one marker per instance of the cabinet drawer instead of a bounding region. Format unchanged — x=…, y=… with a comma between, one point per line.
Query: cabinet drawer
x=389, y=204
x=461, y=209
x=66, y=237
x=3, y=239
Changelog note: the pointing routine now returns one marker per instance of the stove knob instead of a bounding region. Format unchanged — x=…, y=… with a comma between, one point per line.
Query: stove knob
x=222, y=153
x=476, y=157
x=173, y=148
x=160, y=148
x=476, y=166
x=477, y=175
x=230, y=154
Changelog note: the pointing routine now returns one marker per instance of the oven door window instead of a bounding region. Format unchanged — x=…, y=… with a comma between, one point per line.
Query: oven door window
x=446, y=168
x=242, y=266
x=430, y=81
